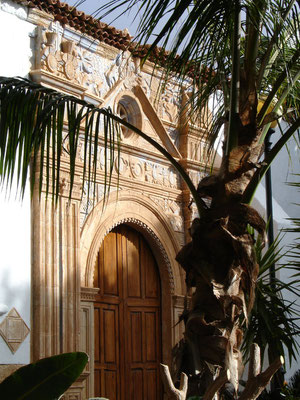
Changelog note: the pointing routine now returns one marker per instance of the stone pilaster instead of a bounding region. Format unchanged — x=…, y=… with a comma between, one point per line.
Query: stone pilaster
x=55, y=275
x=45, y=278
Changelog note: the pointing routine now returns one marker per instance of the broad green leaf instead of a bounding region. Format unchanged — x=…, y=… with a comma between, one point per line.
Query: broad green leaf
x=46, y=379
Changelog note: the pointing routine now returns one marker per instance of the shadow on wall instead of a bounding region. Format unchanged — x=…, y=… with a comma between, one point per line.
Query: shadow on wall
x=14, y=292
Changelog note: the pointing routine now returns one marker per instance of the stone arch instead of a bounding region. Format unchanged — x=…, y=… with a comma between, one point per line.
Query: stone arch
x=142, y=214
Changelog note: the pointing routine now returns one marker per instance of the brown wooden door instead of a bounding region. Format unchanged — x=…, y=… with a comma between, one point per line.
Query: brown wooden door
x=127, y=318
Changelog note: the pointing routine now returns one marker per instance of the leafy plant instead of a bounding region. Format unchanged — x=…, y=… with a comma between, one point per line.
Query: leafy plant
x=274, y=321
x=45, y=379
x=293, y=388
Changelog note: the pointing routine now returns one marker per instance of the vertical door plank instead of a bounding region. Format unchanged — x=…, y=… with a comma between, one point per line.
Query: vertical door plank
x=111, y=386
x=110, y=335
x=151, y=384
x=133, y=265
x=110, y=265
x=152, y=289
x=97, y=333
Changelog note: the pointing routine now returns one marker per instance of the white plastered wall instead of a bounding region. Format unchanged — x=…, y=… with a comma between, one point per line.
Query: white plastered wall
x=16, y=57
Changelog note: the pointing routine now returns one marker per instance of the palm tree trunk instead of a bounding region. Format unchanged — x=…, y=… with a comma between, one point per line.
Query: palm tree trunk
x=220, y=262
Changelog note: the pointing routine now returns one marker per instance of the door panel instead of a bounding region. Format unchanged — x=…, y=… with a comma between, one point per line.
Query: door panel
x=136, y=337
x=107, y=359
x=127, y=318
x=132, y=267
x=136, y=384
x=150, y=336
x=151, y=383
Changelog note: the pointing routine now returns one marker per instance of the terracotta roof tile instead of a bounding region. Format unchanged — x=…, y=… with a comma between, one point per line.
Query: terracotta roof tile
x=68, y=15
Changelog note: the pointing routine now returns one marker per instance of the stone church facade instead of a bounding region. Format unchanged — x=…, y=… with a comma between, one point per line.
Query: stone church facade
x=91, y=280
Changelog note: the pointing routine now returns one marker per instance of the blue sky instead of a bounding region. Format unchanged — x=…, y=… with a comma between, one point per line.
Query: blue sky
x=121, y=19
x=91, y=6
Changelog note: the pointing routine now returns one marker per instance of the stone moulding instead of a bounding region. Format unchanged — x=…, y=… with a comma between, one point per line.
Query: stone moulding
x=88, y=294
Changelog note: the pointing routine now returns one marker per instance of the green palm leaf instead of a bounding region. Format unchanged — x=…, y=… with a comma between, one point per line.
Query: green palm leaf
x=274, y=321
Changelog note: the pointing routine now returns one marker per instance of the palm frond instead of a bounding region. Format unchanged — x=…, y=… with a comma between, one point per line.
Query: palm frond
x=259, y=173
x=274, y=321
x=198, y=35
x=35, y=137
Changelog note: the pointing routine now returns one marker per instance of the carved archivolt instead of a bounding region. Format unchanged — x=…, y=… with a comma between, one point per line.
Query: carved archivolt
x=142, y=213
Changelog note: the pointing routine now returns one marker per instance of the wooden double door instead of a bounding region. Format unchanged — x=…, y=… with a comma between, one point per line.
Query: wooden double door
x=127, y=318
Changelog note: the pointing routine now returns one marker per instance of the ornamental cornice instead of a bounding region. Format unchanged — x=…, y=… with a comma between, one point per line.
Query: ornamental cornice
x=88, y=293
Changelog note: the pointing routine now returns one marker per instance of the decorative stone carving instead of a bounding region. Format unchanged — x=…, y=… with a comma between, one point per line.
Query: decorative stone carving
x=133, y=168
x=174, y=135
x=77, y=64
x=197, y=149
x=170, y=103
x=196, y=176
x=140, y=169
x=66, y=60
x=172, y=210
x=91, y=198
x=13, y=330
x=88, y=293
x=124, y=68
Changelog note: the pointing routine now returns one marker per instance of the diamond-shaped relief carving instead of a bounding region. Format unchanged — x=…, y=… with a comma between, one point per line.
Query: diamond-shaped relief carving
x=13, y=330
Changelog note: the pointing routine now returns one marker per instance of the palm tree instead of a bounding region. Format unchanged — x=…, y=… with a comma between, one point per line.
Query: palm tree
x=233, y=53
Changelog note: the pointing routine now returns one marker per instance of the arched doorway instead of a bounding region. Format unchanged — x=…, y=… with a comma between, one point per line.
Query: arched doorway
x=127, y=318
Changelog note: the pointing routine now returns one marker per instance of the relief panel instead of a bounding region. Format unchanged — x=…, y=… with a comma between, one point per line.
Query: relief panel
x=13, y=330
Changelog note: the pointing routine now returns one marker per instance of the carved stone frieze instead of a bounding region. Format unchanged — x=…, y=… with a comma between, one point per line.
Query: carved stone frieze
x=170, y=103
x=165, y=100
x=139, y=168
x=77, y=64
x=196, y=176
x=92, y=197
x=174, y=135
x=197, y=150
x=66, y=60
x=124, y=68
